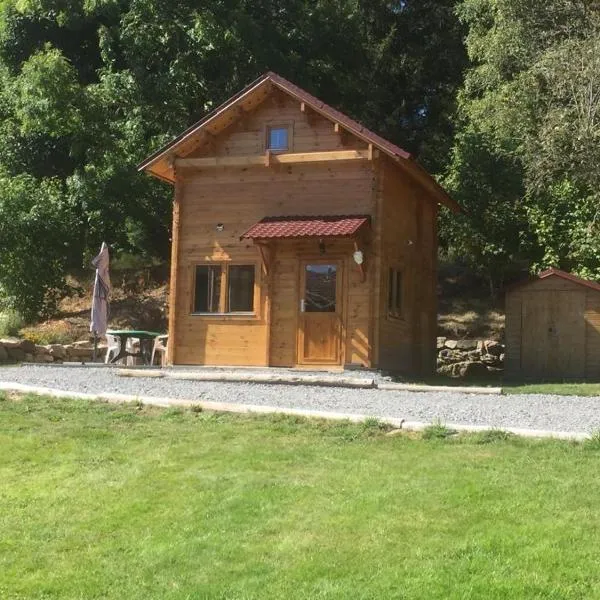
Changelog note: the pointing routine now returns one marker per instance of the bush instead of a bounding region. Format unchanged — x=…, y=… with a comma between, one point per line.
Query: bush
x=492, y=436
x=10, y=323
x=53, y=332
x=437, y=431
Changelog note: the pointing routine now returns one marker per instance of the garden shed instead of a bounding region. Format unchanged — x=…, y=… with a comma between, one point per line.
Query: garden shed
x=553, y=328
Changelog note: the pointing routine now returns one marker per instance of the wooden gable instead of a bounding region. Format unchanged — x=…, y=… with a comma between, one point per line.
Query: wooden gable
x=231, y=135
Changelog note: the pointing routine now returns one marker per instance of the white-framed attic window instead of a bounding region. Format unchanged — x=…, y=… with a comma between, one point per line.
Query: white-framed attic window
x=278, y=138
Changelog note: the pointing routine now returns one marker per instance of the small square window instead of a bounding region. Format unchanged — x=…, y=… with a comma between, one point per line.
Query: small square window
x=277, y=138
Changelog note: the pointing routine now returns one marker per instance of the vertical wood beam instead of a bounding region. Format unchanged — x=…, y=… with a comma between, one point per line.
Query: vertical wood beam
x=175, y=231
x=376, y=273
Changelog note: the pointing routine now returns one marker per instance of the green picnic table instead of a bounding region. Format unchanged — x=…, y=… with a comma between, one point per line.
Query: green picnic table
x=146, y=343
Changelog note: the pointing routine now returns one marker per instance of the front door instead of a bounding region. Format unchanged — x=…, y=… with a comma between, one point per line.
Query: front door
x=320, y=317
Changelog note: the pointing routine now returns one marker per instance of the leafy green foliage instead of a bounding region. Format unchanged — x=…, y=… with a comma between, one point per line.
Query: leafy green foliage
x=526, y=161
x=88, y=88
x=10, y=323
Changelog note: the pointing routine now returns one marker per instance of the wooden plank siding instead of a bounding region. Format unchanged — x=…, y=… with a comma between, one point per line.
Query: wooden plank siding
x=552, y=331
x=310, y=132
x=215, y=205
x=237, y=199
x=592, y=335
x=409, y=244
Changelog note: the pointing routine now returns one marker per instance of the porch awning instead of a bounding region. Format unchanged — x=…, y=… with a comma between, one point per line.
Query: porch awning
x=297, y=227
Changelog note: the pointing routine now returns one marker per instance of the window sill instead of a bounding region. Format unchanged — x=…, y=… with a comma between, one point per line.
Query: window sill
x=393, y=317
x=237, y=316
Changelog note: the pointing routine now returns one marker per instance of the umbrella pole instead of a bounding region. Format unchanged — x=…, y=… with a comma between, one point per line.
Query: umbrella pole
x=95, y=347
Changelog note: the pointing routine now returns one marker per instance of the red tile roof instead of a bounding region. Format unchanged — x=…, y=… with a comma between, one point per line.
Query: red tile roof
x=306, y=227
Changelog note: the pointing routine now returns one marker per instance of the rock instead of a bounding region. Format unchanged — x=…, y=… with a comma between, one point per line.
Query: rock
x=57, y=351
x=450, y=344
x=25, y=345
x=480, y=346
x=29, y=357
x=466, y=344
x=41, y=350
x=490, y=360
x=15, y=353
x=83, y=344
x=11, y=342
x=81, y=354
x=493, y=347
x=473, y=355
x=451, y=356
x=43, y=358
x=3, y=354
x=469, y=369
x=446, y=370
x=440, y=342
x=501, y=357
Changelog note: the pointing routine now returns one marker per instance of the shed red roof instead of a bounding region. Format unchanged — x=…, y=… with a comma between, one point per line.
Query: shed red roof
x=306, y=227
x=558, y=273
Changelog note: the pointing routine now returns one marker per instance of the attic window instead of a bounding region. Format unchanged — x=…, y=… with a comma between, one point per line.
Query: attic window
x=278, y=138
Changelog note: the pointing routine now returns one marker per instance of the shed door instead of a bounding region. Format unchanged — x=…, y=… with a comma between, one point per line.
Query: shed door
x=553, y=335
x=320, y=319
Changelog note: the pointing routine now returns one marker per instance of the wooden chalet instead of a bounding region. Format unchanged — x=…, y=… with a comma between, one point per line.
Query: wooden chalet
x=300, y=239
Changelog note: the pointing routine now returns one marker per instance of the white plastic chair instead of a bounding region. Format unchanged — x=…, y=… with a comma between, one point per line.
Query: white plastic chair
x=133, y=345
x=113, y=347
x=160, y=347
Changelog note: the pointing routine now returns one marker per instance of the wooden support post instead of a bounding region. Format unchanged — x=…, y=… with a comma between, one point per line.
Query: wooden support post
x=265, y=256
x=267, y=158
x=175, y=229
x=370, y=152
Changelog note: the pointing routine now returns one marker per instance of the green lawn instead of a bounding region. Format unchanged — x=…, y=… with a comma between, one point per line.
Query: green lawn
x=101, y=501
x=562, y=389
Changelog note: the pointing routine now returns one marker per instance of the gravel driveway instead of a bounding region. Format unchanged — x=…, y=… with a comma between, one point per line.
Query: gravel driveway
x=555, y=413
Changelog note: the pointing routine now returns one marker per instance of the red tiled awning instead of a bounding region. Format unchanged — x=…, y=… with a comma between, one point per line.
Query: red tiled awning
x=272, y=228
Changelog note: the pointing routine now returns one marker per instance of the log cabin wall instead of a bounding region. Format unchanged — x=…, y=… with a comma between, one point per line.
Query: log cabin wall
x=236, y=198
x=408, y=244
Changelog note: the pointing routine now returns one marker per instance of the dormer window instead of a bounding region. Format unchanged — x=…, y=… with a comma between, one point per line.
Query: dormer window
x=278, y=138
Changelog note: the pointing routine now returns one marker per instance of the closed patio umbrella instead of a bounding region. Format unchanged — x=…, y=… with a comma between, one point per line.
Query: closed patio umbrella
x=99, y=319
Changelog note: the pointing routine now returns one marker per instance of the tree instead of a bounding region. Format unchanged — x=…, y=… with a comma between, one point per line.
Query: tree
x=89, y=88
x=531, y=98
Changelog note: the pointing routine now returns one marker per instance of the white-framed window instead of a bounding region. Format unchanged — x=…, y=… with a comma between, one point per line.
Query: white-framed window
x=278, y=138
x=224, y=288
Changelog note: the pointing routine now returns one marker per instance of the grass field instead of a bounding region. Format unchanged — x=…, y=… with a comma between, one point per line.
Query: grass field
x=561, y=389
x=102, y=501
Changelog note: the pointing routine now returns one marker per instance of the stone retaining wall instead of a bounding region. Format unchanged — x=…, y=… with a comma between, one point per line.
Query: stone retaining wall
x=469, y=358
x=16, y=350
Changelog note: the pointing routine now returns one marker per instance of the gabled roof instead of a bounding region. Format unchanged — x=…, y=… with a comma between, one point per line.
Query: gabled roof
x=271, y=228
x=399, y=155
x=558, y=273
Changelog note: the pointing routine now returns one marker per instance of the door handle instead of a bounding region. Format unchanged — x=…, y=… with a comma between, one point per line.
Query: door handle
x=302, y=305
